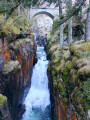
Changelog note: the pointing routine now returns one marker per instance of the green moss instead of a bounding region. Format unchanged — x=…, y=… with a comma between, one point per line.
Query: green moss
x=72, y=49
x=74, y=75
x=3, y=99
x=62, y=65
x=61, y=86
x=84, y=72
x=0, y=50
x=85, y=47
x=69, y=65
x=66, y=54
x=56, y=61
x=66, y=76
x=78, y=53
x=74, y=59
x=69, y=72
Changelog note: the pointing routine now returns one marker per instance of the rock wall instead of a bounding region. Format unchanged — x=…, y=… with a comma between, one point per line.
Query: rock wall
x=16, y=62
x=69, y=79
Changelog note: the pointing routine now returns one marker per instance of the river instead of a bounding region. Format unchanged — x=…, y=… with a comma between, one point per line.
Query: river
x=37, y=101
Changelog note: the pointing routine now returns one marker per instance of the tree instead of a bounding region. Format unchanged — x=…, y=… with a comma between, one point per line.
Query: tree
x=61, y=26
x=8, y=6
x=87, y=26
x=70, y=26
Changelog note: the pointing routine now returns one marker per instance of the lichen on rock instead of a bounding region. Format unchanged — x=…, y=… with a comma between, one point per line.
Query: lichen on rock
x=17, y=44
x=3, y=99
x=11, y=66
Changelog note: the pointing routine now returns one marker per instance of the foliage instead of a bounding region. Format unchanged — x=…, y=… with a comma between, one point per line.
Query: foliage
x=55, y=26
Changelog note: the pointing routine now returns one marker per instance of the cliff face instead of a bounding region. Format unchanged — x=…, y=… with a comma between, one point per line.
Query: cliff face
x=69, y=79
x=16, y=61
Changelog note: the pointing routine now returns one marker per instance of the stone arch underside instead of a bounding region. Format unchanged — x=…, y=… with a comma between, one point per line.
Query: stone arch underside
x=44, y=12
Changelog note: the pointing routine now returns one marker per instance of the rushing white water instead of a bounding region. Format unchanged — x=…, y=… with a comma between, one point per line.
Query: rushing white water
x=37, y=101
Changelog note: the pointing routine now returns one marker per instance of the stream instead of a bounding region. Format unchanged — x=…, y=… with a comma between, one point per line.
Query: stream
x=37, y=101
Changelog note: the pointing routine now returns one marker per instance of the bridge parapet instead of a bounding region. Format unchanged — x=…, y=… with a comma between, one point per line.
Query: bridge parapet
x=51, y=12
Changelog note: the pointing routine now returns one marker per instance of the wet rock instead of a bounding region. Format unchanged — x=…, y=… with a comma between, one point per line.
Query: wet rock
x=1, y=63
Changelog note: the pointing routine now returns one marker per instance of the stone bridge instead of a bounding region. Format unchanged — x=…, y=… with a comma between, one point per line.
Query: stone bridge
x=51, y=12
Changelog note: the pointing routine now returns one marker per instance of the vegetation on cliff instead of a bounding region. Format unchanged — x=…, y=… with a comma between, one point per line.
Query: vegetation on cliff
x=70, y=70
x=3, y=99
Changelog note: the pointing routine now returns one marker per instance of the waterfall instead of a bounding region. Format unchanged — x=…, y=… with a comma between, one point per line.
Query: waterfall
x=37, y=101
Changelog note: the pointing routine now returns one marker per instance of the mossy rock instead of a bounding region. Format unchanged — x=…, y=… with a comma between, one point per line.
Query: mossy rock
x=74, y=60
x=56, y=61
x=69, y=65
x=79, y=42
x=85, y=46
x=79, y=49
x=84, y=72
x=82, y=62
x=62, y=65
x=80, y=101
x=0, y=50
x=73, y=48
x=66, y=54
x=78, y=53
x=57, y=68
x=65, y=47
x=74, y=76
x=86, y=89
x=61, y=86
x=11, y=66
x=54, y=48
x=3, y=99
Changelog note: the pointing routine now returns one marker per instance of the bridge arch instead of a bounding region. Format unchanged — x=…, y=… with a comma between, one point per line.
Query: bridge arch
x=44, y=12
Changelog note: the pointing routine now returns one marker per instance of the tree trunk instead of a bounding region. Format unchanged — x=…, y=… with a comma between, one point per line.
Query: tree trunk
x=61, y=36
x=70, y=31
x=18, y=9
x=61, y=26
x=60, y=7
x=87, y=26
x=70, y=26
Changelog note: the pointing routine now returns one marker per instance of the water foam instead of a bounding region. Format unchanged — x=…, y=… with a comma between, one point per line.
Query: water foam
x=38, y=95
